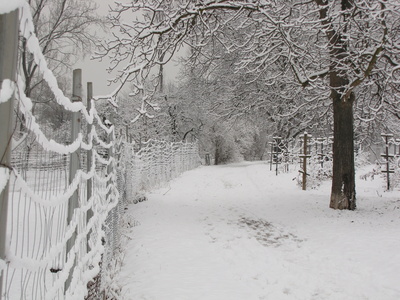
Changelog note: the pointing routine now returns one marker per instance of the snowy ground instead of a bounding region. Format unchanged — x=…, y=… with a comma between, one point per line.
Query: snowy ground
x=239, y=232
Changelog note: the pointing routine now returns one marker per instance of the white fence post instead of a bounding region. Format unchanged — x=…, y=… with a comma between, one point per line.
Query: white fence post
x=74, y=164
x=8, y=66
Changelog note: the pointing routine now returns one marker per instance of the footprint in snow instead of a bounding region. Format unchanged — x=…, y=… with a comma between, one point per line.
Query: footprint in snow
x=266, y=233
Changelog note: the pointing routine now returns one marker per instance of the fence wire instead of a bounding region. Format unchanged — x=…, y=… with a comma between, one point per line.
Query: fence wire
x=38, y=263
x=155, y=163
x=50, y=253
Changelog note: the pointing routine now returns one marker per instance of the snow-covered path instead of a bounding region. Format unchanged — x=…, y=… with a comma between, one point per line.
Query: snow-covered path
x=240, y=232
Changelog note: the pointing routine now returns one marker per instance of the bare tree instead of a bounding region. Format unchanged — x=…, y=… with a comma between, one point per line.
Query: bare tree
x=324, y=49
x=65, y=28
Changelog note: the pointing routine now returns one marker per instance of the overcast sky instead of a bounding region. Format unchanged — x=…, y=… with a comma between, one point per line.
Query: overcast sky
x=95, y=71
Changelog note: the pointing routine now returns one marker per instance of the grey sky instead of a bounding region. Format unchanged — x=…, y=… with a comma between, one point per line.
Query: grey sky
x=95, y=71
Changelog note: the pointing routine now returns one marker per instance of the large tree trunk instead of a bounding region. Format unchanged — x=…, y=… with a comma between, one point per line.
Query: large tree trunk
x=343, y=193
x=343, y=181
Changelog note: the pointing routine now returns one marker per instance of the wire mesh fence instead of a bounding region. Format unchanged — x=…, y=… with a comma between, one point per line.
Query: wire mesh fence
x=67, y=189
x=52, y=253
x=155, y=163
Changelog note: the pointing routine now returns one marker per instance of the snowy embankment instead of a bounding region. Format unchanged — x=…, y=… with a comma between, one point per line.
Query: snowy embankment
x=240, y=232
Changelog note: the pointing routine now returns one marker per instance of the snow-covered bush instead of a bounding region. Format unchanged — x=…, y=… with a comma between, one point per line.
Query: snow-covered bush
x=110, y=283
x=319, y=168
x=317, y=172
x=395, y=177
x=361, y=158
x=379, y=170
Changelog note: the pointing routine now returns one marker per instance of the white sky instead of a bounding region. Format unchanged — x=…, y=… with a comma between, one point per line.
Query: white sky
x=95, y=71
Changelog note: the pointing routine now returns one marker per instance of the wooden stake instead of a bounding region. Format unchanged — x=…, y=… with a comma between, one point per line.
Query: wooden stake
x=304, y=156
x=386, y=156
x=89, y=184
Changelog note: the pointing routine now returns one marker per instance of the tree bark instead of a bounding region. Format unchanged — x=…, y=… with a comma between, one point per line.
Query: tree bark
x=343, y=194
x=217, y=151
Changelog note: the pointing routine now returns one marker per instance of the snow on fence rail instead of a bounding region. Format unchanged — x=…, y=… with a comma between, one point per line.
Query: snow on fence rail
x=65, y=199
